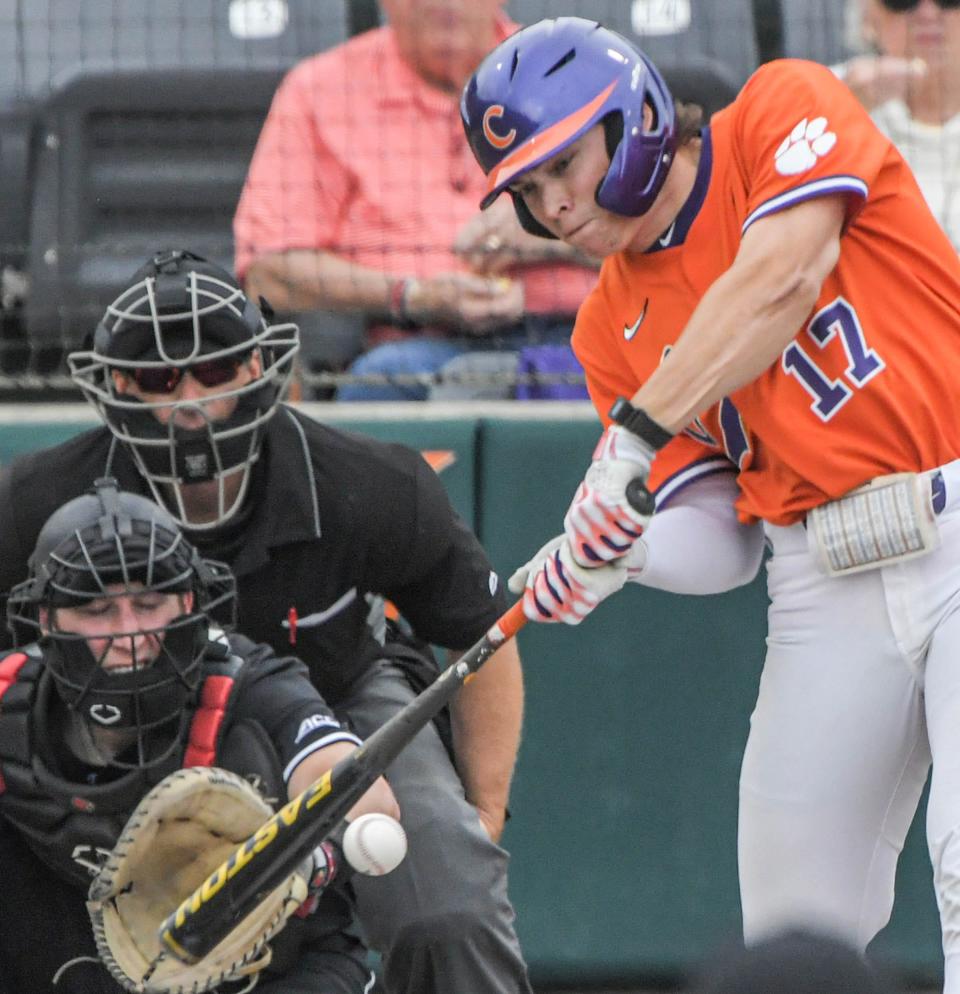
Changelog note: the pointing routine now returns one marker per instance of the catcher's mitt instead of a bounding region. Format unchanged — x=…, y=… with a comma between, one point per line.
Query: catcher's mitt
x=181, y=831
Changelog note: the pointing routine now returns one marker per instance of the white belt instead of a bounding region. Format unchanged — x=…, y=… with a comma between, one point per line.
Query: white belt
x=945, y=497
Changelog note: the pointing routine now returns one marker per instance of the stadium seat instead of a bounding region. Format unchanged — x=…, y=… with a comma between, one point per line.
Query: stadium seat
x=132, y=161
x=16, y=119
x=701, y=81
x=671, y=32
x=815, y=29
x=61, y=37
x=127, y=95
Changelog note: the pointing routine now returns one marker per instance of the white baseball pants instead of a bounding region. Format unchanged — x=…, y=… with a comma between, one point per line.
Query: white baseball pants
x=860, y=688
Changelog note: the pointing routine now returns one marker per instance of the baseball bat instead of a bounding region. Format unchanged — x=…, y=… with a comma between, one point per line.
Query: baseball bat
x=277, y=848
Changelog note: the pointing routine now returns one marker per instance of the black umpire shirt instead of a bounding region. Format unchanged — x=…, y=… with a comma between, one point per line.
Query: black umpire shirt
x=333, y=520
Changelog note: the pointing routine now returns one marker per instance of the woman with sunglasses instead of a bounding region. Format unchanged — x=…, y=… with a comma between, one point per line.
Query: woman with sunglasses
x=910, y=83
x=773, y=348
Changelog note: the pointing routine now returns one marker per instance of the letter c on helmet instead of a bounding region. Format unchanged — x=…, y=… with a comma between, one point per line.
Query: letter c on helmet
x=497, y=141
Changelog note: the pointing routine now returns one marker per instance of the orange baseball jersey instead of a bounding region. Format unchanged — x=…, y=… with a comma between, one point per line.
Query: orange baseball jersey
x=869, y=385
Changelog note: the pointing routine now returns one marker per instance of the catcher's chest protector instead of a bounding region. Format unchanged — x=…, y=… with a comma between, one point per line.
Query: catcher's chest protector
x=72, y=827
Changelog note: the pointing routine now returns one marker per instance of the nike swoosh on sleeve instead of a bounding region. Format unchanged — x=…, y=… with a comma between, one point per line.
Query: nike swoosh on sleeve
x=630, y=330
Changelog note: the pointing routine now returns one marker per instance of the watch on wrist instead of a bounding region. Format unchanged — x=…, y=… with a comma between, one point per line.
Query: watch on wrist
x=639, y=423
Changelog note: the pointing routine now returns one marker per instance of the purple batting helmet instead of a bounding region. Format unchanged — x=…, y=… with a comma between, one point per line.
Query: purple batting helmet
x=545, y=86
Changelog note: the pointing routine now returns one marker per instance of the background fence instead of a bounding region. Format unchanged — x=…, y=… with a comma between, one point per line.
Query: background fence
x=127, y=126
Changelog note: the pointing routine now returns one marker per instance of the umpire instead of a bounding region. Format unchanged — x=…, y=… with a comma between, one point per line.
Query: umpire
x=319, y=525
x=126, y=682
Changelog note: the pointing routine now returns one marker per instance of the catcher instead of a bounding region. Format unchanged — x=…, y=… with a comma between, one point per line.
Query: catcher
x=129, y=702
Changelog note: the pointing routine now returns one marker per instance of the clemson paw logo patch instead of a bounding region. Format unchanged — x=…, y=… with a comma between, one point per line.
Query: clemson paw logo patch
x=799, y=151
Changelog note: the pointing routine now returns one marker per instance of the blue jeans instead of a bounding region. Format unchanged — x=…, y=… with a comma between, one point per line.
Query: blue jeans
x=429, y=355
x=410, y=357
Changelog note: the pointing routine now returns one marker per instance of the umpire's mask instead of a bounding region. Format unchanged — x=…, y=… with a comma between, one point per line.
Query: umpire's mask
x=183, y=315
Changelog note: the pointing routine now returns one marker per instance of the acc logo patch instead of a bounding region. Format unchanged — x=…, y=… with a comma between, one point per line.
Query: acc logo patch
x=314, y=722
x=800, y=150
x=501, y=142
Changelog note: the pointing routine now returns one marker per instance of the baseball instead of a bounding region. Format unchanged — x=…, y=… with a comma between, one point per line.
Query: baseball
x=374, y=844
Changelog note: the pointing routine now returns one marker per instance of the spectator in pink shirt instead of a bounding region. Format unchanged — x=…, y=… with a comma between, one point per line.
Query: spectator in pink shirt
x=361, y=198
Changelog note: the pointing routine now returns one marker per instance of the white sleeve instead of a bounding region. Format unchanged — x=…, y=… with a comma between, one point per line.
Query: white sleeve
x=696, y=545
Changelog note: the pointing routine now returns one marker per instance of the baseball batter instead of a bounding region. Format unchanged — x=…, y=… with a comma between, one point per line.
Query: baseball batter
x=774, y=347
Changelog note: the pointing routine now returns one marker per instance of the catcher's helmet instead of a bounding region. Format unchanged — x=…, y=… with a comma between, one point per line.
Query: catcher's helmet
x=180, y=310
x=545, y=86
x=109, y=544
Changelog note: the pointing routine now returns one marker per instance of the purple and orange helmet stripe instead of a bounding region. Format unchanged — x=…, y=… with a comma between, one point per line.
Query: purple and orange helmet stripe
x=542, y=145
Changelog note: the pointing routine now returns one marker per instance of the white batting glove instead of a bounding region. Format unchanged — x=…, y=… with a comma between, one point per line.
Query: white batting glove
x=556, y=589
x=601, y=525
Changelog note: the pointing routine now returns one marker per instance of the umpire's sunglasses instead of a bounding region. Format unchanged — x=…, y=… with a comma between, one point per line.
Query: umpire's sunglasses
x=166, y=379
x=904, y=6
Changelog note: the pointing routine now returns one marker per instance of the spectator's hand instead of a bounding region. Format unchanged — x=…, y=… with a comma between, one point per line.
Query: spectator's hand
x=492, y=241
x=476, y=304
x=876, y=79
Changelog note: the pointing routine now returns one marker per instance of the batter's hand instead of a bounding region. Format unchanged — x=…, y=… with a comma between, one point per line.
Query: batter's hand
x=556, y=589
x=601, y=524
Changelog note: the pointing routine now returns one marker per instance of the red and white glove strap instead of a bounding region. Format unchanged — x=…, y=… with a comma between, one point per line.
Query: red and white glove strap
x=557, y=595
x=601, y=524
x=556, y=589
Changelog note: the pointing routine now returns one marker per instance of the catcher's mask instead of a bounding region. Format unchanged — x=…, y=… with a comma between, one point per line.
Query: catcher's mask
x=181, y=311
x=544, y=87
x=97, y=548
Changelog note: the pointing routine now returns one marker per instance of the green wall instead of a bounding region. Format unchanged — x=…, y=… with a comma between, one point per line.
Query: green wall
x=623, y=833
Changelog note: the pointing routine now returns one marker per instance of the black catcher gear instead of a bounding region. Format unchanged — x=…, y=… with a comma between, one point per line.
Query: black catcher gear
x=108, y=544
